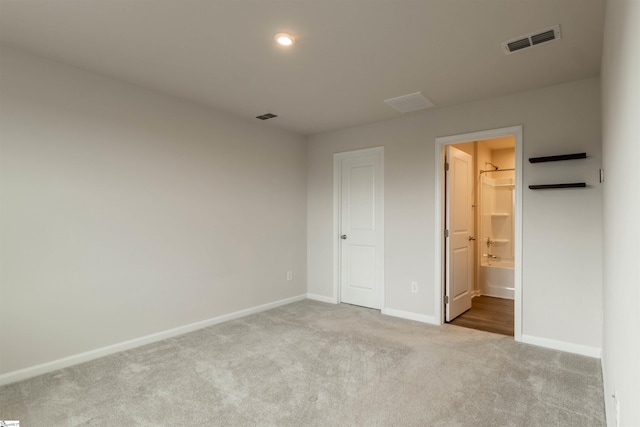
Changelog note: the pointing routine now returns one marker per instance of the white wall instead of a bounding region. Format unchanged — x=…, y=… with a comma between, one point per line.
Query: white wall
x=621, y=152
x=126, y=212
x=562, y=283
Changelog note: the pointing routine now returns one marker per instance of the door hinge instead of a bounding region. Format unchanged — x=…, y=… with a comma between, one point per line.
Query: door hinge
x=446, y=166
x=446, y=233
x=446, y=299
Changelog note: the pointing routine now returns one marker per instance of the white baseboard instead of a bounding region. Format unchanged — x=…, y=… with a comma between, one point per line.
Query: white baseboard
x=32, y=371
x=322, y=298
x=410, y=316
x=563, y=346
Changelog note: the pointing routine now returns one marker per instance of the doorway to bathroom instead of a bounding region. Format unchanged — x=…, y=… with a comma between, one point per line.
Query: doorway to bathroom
x=479, y=202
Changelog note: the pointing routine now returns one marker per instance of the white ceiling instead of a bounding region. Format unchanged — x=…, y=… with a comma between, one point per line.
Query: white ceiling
x=350, y=55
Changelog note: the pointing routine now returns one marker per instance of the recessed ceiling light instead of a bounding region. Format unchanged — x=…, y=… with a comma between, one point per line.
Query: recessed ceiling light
x=284, y=39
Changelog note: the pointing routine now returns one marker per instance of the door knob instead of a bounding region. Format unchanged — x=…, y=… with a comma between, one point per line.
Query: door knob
x=343, y=237
x=471, y=238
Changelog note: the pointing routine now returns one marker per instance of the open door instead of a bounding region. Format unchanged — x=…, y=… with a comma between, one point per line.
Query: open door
x=459, y=224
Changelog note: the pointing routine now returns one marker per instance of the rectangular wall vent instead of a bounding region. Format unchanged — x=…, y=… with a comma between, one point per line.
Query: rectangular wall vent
x=532, y=39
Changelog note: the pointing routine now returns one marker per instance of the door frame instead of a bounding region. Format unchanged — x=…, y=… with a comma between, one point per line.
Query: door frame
x=337, y=197
x=440, y=144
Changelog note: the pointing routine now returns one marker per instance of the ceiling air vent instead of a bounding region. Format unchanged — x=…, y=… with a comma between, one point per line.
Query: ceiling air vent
x=518, y=44
x=532, y=39
x=266, y=116
x=408, y=103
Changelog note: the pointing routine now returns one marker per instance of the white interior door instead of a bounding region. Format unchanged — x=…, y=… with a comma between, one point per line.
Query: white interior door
x=361, y=229
x=459, y=222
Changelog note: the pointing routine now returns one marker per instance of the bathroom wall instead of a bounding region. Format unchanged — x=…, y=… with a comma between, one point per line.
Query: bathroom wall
x=505, y=159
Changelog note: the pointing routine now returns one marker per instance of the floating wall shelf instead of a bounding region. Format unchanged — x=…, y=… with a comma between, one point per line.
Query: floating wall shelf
x=551, y=186
x=574, y=156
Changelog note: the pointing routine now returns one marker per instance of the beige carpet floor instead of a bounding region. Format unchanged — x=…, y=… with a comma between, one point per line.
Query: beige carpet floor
x=316, y=364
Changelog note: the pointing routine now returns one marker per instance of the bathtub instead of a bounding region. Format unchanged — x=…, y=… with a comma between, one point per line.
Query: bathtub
x=497, y=278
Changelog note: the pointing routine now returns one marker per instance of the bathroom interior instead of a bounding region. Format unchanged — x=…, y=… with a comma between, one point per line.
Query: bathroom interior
x=493, y=209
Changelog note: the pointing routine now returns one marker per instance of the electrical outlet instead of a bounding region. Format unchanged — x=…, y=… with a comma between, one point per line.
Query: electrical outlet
x=289, y=275
x=414, y=287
